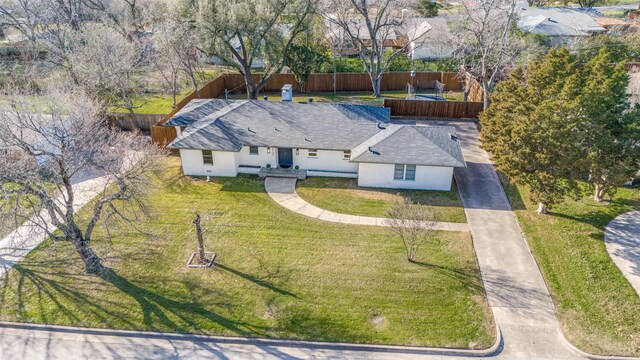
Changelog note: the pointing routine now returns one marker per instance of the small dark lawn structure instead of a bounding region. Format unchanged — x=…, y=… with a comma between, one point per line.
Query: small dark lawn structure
x=202, y=258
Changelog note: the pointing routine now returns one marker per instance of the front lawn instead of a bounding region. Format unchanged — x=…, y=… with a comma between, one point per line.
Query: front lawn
x=344, y=196
x=598, y=309
x=278, y=274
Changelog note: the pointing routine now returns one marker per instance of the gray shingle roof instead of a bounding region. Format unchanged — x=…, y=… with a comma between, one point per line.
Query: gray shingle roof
x=195, y=110
x=557, y=21
x=416, y=145
x=228, y=125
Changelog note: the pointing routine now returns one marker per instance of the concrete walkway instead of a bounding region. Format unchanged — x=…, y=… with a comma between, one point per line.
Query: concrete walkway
x=622, y=239
x=283, y=191
x=15, y=246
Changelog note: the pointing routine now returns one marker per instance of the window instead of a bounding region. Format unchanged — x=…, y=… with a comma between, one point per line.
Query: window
x=404, y=172
x=410, y=173
x=398, y=173
x=253, y=150
x=346, y=155
x=207, y=157
x=313, y=152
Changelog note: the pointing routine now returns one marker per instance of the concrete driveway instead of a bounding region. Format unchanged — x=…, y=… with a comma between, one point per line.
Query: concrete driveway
x=622, y=239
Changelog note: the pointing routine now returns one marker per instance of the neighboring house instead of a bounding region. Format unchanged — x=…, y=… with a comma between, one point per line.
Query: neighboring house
x=224, y=138
x=395, y=37
x=437, y=43
x=557, y=23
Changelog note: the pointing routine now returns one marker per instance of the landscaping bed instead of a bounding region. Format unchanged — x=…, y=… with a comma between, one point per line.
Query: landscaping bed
x=277, y=275
x=598, y=309
x=344, y=196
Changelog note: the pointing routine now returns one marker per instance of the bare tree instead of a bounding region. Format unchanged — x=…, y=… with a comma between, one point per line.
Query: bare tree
x=109, y=65
x=246, y=33
x=53, y=141
x=371, y=27
x=486, y=41
x=414, y=225
x=198, y=224
x=176, y=52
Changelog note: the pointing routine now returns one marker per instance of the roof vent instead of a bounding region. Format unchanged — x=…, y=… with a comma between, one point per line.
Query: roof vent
x=373, y=151
x=276, y=129
x=379, y=125
x=305, y=139
x=453, y=137
x=251, y=131
x=287, y=92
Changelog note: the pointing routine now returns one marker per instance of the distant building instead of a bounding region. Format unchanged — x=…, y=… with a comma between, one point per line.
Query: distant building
x=437, y=42
x=559, y=24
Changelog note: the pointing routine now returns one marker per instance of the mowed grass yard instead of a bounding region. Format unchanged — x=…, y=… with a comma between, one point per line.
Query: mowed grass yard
x=278, y=275
x=598, y=309
x=344, y=196
x=351, y=97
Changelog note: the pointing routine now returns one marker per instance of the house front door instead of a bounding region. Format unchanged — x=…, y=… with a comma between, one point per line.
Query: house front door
x=285, y=157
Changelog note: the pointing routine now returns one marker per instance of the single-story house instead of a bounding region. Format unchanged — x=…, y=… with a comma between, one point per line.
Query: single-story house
x=224, y=138
x=559, y=24
x=437, y=43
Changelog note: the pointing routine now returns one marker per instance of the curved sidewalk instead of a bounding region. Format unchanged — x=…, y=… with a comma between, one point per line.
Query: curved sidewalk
x=622, y=239
x=283, y=191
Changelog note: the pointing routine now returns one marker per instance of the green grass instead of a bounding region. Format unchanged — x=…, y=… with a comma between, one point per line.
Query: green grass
x=355, y=97
x=598, y=309
x=278, y=274
x=154, y=104
x=344, y=196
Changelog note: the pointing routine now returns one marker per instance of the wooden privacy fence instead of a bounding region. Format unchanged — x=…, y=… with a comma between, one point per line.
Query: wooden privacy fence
x=317, y=83
x=125, y=121
x=435, y=109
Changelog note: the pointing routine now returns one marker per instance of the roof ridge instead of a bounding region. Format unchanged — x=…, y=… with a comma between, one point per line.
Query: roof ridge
x=210, y=119
x=443, y=127
x=375, y=139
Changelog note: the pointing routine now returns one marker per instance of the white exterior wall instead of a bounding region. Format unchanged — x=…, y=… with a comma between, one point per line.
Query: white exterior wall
x=262, y=159
x=427, y=177
x=224, y=163
x=327, y=160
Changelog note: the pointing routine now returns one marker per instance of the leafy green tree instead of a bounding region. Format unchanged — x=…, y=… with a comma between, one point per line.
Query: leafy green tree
x=609, y=124
x=427, y=8
x=528, y=127
x=562, y=122
x=304, y=60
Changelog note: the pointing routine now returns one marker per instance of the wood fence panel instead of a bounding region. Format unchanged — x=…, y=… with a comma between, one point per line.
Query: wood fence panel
x=452, y=81
x=392, y=81
x=163, y=135
x=435, y=109
x=124, y=121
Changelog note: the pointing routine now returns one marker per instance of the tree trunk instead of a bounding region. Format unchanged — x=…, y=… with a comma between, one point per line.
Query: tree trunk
x=598, y=195
x=376, y=82
x=335, y=68
x=485, y=96
x=194, y=82
x=542, y=209
x=92, y=263
x=197, y=223
x=134, y=118
x=248, y=82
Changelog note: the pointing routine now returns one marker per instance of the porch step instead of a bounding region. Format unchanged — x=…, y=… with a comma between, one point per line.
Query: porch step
x=299, y=174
